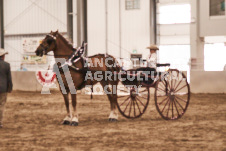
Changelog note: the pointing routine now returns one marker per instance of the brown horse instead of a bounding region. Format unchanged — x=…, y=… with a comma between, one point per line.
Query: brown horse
x=62, y=49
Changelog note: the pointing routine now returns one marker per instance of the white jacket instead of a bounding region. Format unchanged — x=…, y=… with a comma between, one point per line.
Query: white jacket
x=152, y=60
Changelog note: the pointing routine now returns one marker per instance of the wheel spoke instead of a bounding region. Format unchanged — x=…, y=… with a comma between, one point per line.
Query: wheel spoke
x=161, y=89
x=168, y=108
x=127, y=105
x=176, y=108
x=134, y=108
x=172, y=109
x=164, y=83
x=125, y=101
x=142, y=97
x=163, y=100
x=181, y=93
x=161, y=95
x=181, y=99
x=162, y=86
x=122, y=96
x=138, y=107
x=179, y=104
x=178, y=84
x=140, y=101
x=168, y=85
x=171, y=81
x=130, y=107
x=143, y=91
x=165, y=105
x=181, y=88
x=123, y=90
x=176, y=80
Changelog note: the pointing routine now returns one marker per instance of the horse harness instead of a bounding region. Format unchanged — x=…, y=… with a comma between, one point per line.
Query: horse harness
x=73, y=58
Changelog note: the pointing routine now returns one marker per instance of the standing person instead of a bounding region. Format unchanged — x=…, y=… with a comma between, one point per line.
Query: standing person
x=5, y=82
x=22, y=68
x=152, y=58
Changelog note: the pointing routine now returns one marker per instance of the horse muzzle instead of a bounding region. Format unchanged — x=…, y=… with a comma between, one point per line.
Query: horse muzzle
x=39, y=52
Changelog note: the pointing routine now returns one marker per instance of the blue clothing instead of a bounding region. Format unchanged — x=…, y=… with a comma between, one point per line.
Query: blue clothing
x=23, y=69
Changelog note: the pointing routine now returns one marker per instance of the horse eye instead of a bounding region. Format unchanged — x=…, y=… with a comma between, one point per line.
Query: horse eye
x=49, y=41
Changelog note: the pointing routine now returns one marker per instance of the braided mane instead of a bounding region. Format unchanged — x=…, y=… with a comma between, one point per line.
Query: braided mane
x=65, y=41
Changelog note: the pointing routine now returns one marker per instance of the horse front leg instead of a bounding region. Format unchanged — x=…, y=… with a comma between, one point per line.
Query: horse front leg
x=67, y=119
x=74, y=121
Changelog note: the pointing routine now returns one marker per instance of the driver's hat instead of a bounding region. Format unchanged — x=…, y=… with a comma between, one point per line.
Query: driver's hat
x=153, y=47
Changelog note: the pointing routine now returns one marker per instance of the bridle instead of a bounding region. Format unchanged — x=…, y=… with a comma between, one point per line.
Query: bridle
x=73, y=58
x=45, y=48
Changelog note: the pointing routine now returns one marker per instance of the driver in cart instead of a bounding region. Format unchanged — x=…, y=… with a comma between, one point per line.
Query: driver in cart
x=152, y=58
x=151, y=63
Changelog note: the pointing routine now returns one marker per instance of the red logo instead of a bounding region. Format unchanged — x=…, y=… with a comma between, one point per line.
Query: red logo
x=46, y=78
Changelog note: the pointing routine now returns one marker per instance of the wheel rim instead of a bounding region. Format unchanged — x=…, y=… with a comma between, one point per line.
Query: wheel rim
x=172, y=95
x=132, y=102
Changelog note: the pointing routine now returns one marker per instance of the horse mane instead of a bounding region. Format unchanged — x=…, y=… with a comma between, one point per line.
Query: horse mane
x=99, y=54
x=65, y=41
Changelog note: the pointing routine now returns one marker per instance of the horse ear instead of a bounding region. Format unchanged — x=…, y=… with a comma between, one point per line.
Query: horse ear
x=51, y=32
x=57, y=31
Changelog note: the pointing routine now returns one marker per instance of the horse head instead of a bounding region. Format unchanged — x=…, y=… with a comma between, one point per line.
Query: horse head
x=48, y=44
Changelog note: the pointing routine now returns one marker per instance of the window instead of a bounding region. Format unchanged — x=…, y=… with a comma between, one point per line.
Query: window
x=132, y=4
x=174, y=14
x=177, y=55
x=217, y=7
x=215, y=57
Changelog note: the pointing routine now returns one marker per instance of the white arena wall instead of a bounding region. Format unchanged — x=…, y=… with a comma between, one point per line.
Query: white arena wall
x=208, y=82
x=25, y=81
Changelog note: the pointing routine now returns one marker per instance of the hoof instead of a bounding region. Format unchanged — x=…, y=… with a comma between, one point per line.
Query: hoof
x=66, y=122
x=74, y=123
x=112, y=120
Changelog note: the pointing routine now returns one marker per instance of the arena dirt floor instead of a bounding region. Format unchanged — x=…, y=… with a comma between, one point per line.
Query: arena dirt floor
x=32, y=122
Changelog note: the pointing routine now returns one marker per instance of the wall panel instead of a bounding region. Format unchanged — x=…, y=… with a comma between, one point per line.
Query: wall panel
x=34, y=16
x=210, y=26
x=96, y=27
x=135, y=24
x=174, y=29
x=14, y=46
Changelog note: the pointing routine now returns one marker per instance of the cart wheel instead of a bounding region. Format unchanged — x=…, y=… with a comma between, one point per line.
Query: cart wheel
x=132, y=101
x=172, y=95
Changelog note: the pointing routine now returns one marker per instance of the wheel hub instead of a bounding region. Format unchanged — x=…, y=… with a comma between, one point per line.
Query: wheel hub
x=133, y=93
x=171, y=95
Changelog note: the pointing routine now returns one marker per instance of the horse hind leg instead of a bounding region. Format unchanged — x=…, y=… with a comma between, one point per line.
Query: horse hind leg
x=114, y=114
x=113, y=100
x=67, y=119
